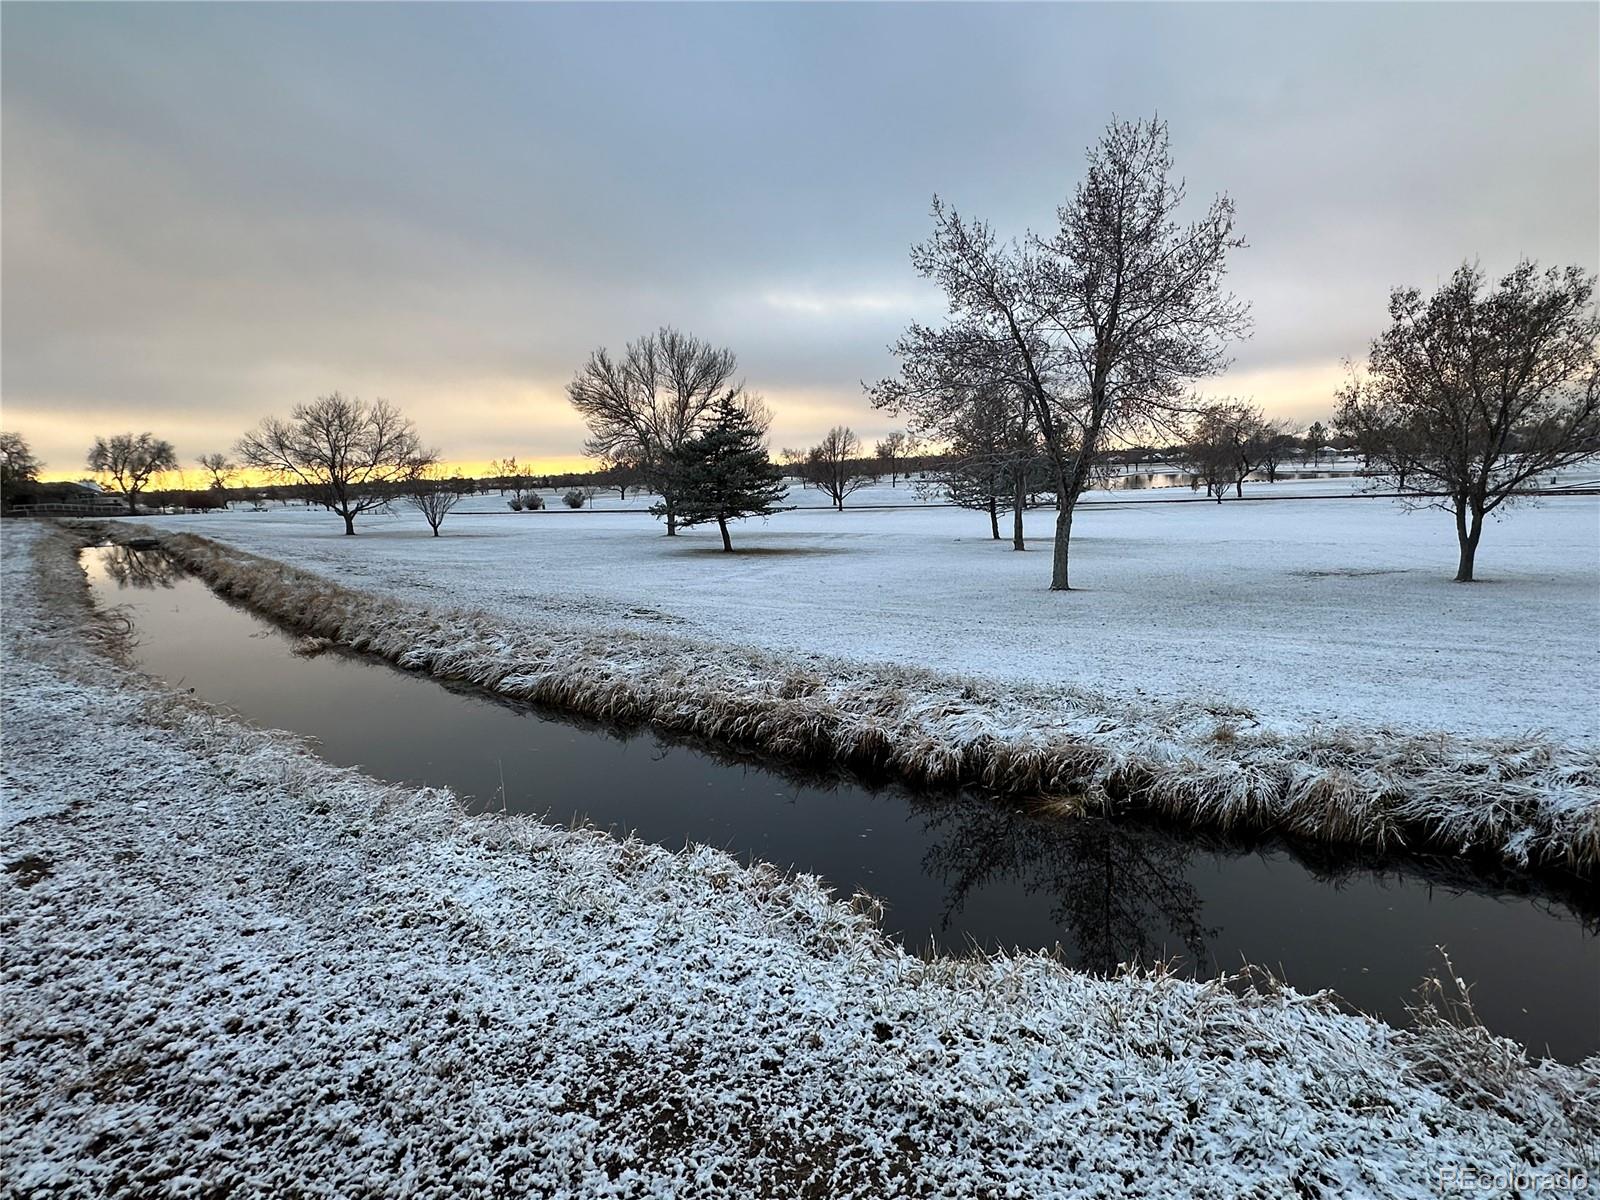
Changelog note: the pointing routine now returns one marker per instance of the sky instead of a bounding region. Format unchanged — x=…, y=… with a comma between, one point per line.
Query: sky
x=213, y=212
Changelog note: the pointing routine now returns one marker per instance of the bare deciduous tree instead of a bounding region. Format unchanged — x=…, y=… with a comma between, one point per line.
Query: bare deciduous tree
x=129, y=460
x=793, y=463
x=1470, y=395
x=434, y=498
x=643, y=406
x=220, y=468
x=624, y=473
x=506, y=474
x=1277, y=439
x=1225, y=441
x=1098, y=326
x=19, y=469
x=348, y=455
x=994, y=459
x=834, y=465
x=890, y=451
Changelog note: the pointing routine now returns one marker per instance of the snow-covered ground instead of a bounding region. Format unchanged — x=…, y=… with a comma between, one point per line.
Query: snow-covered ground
x=230, y=968
x=1318, y=610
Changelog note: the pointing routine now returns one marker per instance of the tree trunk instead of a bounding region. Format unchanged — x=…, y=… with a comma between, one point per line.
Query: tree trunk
x=1238, y=488
x=994, y=517
x=133, y=509
x=1058, y=562
x=349, y=523
x=672, y=518
x=1467, y=533
x=1019, y=501
x=722, y=524
x=435, y=531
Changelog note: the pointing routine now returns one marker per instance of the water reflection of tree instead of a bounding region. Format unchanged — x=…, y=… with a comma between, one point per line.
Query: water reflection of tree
x=1120, y=892
x=140, y=568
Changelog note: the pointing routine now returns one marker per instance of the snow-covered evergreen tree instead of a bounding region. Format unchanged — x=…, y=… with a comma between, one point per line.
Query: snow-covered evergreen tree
x=724, y=472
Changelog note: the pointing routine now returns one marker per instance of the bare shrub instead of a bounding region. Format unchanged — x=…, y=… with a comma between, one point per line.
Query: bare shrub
x=433, y=499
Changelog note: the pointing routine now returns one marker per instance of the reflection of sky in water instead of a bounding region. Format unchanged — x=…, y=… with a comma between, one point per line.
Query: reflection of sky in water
x=954, y=872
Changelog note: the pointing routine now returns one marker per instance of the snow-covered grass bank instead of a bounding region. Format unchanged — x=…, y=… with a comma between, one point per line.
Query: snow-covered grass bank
x=231, y=968
x=1524, y=800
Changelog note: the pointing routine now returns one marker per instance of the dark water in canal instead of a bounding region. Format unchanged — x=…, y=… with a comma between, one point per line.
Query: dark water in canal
x=952, y=871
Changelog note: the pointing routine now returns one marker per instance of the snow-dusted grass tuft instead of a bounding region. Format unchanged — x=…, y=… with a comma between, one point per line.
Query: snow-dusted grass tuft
x=233, y=969
x=1527, y=801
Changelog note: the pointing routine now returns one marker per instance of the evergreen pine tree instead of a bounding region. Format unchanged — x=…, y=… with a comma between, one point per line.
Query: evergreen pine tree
x=724, y=472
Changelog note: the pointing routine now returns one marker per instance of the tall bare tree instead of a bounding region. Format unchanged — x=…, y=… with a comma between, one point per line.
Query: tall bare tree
x=1472, y=394
x=890, y=451
x=19, y=469
x=506, y=475
x=642, y=406
x=220, y=469
x=129, y=460
x=434, y=497
x=1226, y=440
x=1278, y=438
x=346, y=454
x=834, y=465
x=993, y=459
x=1216, y=447
x=624, y=473
x=1100, y=326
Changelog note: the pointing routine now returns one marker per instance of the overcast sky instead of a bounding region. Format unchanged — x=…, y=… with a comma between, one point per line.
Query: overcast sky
x=212, y=212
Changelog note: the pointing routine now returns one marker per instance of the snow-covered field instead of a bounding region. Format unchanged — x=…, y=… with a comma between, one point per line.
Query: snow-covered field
x=1325, y=611
x=230, y=968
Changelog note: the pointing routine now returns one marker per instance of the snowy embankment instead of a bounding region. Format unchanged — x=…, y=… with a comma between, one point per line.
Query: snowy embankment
x=1524, y=800
x=230, y=967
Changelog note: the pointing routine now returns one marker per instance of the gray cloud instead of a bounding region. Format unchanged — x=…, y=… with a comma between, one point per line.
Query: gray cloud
x=214, y=211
